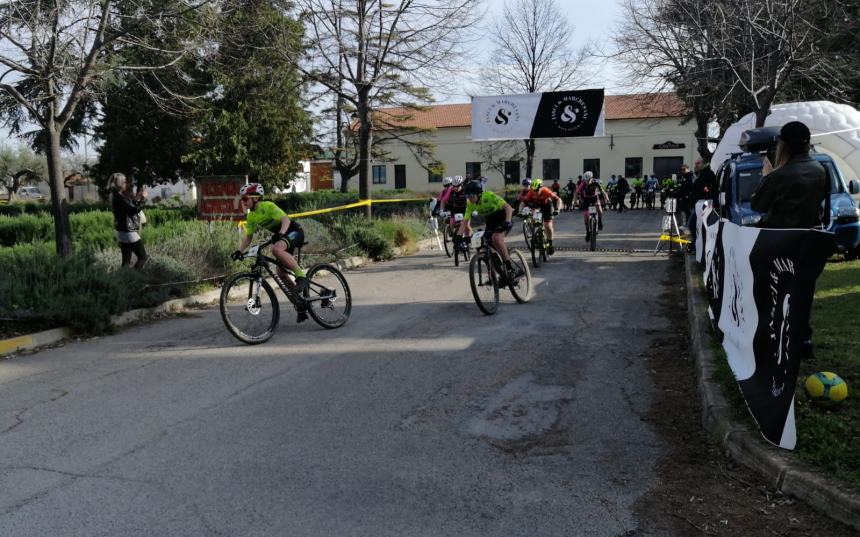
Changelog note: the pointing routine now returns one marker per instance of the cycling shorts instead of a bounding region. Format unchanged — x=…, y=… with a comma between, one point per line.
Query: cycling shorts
x=547, y=209
x=293, y=239
x=494, y=221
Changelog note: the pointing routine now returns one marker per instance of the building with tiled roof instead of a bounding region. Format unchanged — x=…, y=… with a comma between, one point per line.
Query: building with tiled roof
x=643, y=134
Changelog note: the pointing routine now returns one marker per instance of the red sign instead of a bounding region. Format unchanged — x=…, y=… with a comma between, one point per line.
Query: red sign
x=218, y=197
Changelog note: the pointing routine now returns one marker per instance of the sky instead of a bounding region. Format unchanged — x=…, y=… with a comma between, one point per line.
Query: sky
x=591, y=22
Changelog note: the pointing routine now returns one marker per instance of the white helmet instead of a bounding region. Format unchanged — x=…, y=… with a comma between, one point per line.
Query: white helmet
x=447, y=181
x=457, y=180
x=587, y=176
x=252, y=189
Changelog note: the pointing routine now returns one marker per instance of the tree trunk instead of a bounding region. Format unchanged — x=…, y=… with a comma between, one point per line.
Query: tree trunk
x=365, y=134
x=62, y=227
x=530, y=157
x=702, y=120
x=761, y=115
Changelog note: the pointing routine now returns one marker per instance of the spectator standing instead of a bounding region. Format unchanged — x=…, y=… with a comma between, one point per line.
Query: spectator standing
x=126, y=218
x=685, y=190
x=704, y=188
x=555, y=187
x=623, y=189
x=794, y=193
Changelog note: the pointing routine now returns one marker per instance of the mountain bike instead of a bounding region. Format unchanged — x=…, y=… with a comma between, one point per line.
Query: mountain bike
x=592, y=227
x=250, y=308
x=452, y=225
x=536, y=243
x=487, y=274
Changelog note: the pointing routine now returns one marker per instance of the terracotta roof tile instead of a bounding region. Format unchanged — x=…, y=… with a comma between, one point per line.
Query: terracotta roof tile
x=639, y=106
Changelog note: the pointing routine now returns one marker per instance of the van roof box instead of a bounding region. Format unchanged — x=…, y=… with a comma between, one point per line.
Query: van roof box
x=760, y=139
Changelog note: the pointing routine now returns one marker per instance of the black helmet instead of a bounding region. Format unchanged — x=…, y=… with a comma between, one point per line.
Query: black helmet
x=473, y=188
x=526, y=182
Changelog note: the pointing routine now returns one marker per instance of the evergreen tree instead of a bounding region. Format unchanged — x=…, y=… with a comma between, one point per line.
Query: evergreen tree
x=257, y=124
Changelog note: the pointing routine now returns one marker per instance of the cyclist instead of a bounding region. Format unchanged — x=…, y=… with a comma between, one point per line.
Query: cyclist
x=497, y=217
x=455, y=202
x=541, y=197
x=446, y=185
x=287, y=235
x=526, y=183
x=569, y=191
x=591, y=193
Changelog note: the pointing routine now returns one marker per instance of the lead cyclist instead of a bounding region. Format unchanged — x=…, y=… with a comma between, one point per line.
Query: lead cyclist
x=498, y=217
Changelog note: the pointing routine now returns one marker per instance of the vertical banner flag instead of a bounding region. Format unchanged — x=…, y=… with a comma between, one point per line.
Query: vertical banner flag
x=765, y=281
x=558, y=114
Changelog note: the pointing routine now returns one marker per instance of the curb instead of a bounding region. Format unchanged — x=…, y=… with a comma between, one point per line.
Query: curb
x=747, y=447
x=55, y=335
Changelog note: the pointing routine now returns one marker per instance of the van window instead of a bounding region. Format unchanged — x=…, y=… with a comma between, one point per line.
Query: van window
x=748, y=181
x=836, y=185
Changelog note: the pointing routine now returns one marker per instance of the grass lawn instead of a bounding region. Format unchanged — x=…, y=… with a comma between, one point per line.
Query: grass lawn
x=829, y=440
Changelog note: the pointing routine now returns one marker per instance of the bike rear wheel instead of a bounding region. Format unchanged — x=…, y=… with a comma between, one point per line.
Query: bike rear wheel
x=249, y=308
x=522, y=287
x=485, y=284
x=328, y=297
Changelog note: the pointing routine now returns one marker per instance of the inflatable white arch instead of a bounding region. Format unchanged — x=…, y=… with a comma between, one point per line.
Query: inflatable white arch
x=835, y=130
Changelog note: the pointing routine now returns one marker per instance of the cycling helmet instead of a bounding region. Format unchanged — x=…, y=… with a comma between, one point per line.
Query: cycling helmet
x=457, y=180
x=474, y=188
x=447, y=181
x=252, y=189
x=526, y=183
x=536, y=184
x=587, y=176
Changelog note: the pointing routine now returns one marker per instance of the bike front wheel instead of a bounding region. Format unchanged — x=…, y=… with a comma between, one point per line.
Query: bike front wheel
x=249, y=308
x=527, y=233
x=593, y=244
x=447, y=240
x=485, y=284
x=521, y=287
x=328, y=297
x=534, y=246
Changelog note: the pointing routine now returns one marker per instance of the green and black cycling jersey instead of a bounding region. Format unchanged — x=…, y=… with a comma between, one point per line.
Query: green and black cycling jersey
x=267, y=215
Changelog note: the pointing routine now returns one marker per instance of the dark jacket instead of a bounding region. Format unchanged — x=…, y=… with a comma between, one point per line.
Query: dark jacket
x=685, y=186
x=705, y=180
x=623, y=185
x=792, y=195
x=126, y=212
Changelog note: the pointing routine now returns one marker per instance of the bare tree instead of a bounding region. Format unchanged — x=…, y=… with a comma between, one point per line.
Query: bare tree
x=57, y=54
x=532, y=54
x=368, y=52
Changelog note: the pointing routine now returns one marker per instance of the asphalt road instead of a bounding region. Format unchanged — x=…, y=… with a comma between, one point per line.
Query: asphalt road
x=420, y=417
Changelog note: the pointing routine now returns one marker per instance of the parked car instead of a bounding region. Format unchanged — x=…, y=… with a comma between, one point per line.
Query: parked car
x=30, y=193
x=739, y=177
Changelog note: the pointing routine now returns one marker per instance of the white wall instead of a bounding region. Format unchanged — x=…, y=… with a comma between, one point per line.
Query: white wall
x=624, y=138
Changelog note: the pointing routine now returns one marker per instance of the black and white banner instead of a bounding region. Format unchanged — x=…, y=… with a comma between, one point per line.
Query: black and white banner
x=557, y=114
x=760, y=284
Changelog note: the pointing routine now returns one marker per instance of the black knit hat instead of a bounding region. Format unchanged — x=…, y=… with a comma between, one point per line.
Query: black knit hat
x=794, y=132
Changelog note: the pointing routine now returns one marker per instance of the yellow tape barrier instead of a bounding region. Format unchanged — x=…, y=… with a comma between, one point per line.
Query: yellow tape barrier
x=679, y=240
x=361, y=203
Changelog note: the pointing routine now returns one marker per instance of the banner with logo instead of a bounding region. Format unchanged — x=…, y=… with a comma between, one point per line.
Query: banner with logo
x=559, y=114
x=760, y=285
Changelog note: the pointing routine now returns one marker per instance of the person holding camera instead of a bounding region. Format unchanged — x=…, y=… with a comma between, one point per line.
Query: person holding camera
x=127, y=212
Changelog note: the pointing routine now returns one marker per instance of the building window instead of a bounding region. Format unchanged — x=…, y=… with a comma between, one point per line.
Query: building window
x=473, y=169
x=379, y=175
x=434, y=173
x=591, y=165
x=633, y=167
x=551, y=168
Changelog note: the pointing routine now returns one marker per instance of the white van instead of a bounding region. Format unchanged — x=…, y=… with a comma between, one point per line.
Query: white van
x=30, y=193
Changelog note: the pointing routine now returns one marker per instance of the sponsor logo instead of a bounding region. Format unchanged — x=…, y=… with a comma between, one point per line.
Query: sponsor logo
x=570, y=113
x=502, y=115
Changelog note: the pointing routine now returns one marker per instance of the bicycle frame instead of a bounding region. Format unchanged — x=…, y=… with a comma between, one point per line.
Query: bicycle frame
x=264, y=262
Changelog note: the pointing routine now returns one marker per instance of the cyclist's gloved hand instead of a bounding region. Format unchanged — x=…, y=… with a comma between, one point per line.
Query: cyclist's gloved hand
x=555, y=212
x=507, y=226
x=276, y=236
x=237, y=255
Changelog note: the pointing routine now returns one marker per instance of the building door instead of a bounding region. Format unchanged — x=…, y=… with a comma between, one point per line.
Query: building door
x=400, y=176
x=664, y=167
x=512, y=172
